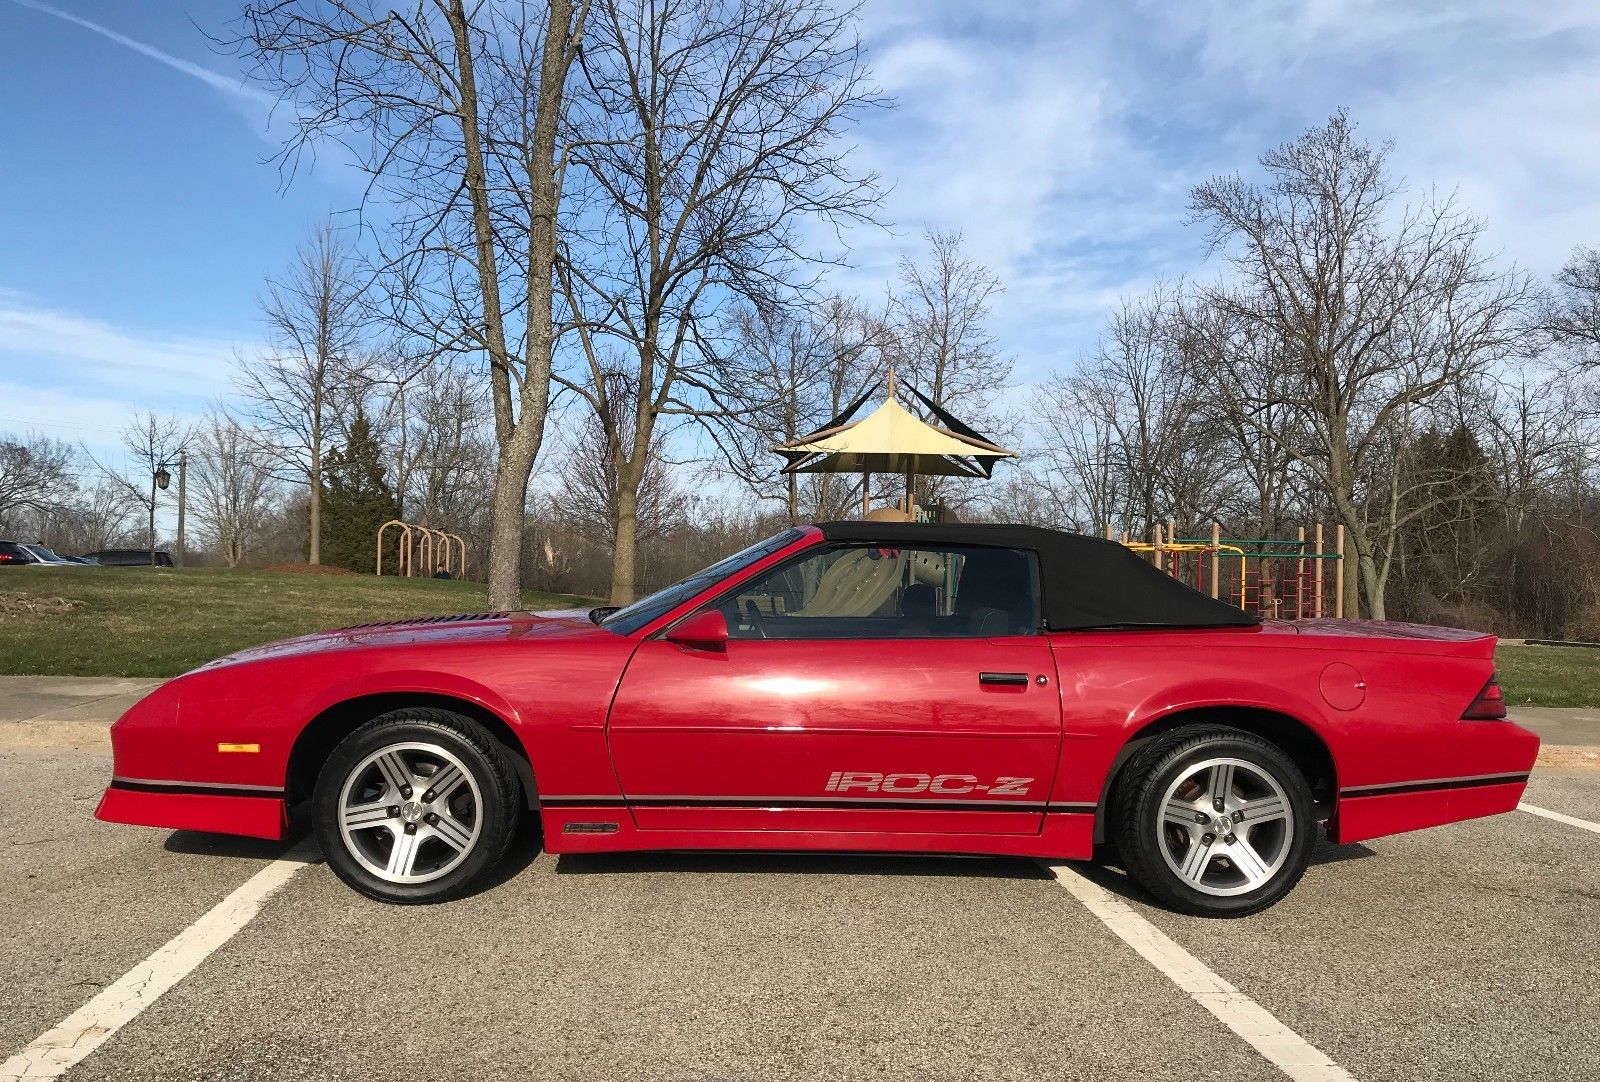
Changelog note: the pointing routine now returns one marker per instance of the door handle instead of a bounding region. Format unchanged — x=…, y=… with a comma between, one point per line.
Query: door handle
x=1011, y=678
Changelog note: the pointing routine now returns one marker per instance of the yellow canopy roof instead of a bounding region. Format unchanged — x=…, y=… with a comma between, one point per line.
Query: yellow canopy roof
x=891, y=439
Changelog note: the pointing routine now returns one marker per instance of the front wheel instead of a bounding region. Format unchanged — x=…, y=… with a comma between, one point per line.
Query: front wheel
x=415, y=806
x=1214, y=822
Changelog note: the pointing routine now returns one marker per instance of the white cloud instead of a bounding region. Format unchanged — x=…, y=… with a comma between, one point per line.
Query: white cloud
x=1063, y=138
x=216, y=80
x=50, y=345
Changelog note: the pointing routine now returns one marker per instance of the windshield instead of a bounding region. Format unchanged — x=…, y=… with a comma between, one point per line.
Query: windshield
x=627, y=621
x=43, y=553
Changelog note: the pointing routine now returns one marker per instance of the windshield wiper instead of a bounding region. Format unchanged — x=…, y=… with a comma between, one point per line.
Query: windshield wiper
x=598, y=614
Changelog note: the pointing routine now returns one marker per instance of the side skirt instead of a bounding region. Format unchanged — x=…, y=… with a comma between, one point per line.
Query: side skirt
x=1067, y=835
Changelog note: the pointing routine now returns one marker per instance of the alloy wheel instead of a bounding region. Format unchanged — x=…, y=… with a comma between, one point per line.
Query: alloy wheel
x=410, y=812
x=1226, y=826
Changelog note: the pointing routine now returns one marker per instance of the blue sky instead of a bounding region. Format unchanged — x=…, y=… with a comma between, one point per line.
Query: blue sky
x=137, y=218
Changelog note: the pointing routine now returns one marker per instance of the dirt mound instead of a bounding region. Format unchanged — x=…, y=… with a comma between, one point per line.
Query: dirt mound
x=31, y=605
x=312, y=569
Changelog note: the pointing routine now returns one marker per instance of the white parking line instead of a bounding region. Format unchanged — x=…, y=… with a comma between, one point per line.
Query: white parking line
x=1570, y=820
x=54, y=1053
x=1281, y=1046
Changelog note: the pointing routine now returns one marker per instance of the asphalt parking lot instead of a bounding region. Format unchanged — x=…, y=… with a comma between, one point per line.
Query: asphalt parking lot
x=1467, y=951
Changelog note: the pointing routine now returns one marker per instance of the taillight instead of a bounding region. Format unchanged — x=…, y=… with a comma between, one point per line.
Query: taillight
x=1490, y=705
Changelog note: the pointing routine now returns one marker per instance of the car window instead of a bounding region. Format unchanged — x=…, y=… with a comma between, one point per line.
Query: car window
x=877, y=591
x=628, y=620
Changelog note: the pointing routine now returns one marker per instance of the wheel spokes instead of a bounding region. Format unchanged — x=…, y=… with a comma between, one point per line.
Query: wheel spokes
x=403, y=856
x=395, y=772
x=452, y=831
x=366, y=816
x=446, y=780
x=1263, y=810
x=1248, y=861
x=1181, y=813
x=1220, y=788
x=1197, y=860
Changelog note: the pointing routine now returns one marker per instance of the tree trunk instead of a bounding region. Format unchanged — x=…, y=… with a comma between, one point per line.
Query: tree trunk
x=624, y=552
x=1372, y=586
x=507, y=511
x=315, y=555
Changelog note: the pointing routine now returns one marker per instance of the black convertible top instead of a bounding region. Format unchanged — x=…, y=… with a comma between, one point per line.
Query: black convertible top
x=1087, y=582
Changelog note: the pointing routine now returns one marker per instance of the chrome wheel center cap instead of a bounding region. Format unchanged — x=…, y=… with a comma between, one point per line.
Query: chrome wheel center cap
x=1222, y=825
x=411, y=811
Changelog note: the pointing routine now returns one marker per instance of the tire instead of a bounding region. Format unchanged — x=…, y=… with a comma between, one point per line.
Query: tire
x=1195, y=856
x=386, y=833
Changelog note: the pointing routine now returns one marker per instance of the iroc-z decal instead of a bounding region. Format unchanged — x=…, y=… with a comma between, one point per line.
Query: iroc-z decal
x=866, y=781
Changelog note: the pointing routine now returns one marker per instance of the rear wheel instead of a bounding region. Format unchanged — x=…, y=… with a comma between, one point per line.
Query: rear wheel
x=415, y=806
x=1214, y=821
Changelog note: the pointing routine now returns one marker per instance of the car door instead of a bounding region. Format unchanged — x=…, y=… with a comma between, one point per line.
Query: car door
x=861, y=689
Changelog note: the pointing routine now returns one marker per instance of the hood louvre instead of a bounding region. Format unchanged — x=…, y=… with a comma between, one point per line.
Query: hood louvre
x=454, y=618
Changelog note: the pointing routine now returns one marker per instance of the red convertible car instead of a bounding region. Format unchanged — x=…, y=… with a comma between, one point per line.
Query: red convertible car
x=846, y=686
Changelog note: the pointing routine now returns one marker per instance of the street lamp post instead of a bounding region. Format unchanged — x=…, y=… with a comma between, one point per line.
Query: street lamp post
x=160, y=478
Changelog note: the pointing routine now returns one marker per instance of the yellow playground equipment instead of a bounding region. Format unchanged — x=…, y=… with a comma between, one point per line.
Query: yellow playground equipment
x=1284, y=578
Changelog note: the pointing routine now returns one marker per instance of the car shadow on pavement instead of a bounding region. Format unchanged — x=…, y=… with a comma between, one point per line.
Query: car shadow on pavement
x=1113, y=877
x=768, y=863
x=196, y=843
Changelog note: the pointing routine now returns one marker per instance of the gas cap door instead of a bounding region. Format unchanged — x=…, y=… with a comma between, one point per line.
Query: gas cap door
x=1342, y=686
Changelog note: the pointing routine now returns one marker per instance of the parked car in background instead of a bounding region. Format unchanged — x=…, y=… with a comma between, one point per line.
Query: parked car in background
x=13, y=553
x=129, y=558
x=48, y=557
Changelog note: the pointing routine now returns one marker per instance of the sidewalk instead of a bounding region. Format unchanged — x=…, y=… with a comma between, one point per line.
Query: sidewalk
x=76, y=710
x=72, y=711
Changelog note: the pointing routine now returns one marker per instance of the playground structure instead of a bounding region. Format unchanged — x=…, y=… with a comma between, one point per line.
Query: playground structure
x=435, y=548
x=892, y=440
x=1293, y=579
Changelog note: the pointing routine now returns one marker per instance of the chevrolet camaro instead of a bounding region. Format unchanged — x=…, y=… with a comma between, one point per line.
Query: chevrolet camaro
x=882, y=687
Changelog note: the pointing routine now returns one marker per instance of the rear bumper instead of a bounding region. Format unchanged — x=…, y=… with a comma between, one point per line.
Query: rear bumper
x=251, y=814
x=1500, y=756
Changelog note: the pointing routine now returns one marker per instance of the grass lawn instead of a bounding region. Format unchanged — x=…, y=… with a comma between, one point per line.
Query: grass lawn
x=1549, y=675
x=160, y=622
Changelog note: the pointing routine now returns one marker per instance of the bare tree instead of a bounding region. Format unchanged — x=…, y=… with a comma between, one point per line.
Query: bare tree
x=454, y=111
x=940, y=340
x=99, y=516
x=153, y=444
x=708, y=132
x=1572, y=310
x=588, y=495
x=792, y=371
x=1163, y=447
x=942, y=308
x=296, y=391
x=234, y=486
x=438, y=428
x=1372, y=309
x=36, y=473
x=1074, y=475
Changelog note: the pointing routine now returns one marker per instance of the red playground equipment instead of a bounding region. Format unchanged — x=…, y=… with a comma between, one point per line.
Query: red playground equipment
x=1292, y=579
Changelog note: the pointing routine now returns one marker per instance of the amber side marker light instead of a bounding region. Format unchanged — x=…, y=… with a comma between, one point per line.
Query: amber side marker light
x=1490, y=705
x=247, y=749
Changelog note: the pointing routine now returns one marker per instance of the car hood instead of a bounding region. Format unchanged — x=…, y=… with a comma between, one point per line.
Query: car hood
x=474, y=627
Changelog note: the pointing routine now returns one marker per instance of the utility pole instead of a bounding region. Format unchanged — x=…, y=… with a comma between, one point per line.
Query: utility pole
x=183, y=480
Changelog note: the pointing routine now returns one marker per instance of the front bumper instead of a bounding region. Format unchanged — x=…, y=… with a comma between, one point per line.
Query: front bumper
x=178, y=807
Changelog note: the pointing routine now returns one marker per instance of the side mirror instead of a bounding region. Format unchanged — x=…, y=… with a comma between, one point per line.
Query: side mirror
x=706, y=630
